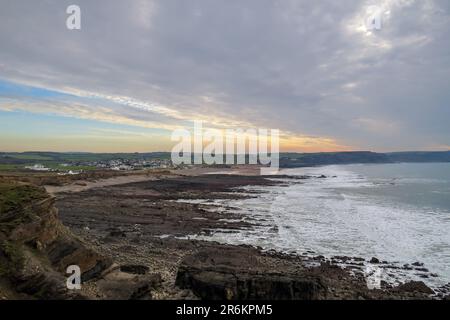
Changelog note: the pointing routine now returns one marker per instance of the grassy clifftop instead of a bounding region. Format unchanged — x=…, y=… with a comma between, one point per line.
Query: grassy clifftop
x=14, y=196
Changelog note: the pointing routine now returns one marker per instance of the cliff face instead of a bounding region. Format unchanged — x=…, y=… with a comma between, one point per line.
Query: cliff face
x=36, y=249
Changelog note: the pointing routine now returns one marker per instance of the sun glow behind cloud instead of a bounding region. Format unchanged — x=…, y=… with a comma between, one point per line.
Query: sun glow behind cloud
x=103, y=108
x=310, y=69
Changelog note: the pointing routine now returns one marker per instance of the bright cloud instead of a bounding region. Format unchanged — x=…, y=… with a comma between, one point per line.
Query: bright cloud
x=309, y=68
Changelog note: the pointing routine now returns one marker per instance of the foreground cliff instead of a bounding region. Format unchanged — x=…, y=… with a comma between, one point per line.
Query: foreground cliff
x=36, y=249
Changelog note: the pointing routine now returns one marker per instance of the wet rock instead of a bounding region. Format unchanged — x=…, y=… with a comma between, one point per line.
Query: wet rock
x=407, y=267
x=415, y=286
x=417, y=264
x=385, y=285
x=342, y=258
x=374, y=260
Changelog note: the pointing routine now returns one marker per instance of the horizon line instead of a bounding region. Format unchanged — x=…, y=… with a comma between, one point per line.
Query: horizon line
x=349, y=151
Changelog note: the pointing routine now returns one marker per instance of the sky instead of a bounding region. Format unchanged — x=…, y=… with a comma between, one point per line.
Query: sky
x=139, y=69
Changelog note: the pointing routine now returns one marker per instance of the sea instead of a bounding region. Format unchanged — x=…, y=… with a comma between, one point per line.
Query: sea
x=398, y=213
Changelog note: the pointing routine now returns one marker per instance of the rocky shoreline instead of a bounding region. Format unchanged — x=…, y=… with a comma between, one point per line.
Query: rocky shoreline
x=138, y=237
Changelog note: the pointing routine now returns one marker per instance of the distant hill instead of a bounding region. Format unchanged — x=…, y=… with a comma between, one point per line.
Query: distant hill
x=420, y=156
x=293, y=160
x=287, y=160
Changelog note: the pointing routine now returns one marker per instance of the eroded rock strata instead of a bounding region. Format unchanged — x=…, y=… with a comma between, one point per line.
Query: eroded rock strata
x=36, y=249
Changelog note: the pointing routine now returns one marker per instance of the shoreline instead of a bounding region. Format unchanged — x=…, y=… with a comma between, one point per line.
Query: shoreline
x=159, y=225
x=132, y=236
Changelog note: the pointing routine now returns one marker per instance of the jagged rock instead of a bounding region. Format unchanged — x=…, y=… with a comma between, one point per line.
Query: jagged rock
x=65, y=252
x=237, y=274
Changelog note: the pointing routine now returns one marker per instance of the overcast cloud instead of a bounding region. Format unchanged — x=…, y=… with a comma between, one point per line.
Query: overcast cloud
x=309, y=68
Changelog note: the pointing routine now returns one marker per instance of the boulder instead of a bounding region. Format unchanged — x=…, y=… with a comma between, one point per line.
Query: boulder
x=374, y=260
x=414, y=287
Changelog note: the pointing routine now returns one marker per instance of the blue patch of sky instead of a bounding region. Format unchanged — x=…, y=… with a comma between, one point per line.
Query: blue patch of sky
x=23, y=123
x=13, y=89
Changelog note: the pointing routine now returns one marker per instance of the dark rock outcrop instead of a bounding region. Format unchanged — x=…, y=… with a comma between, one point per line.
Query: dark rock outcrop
x=241, y=274
x=414, y=287
x=374, y=260
x=244, y=273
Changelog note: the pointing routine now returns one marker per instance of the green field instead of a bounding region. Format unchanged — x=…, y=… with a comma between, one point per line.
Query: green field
x=10, y=167
x=67, y=157
x=10, y=161
x=36, y=157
